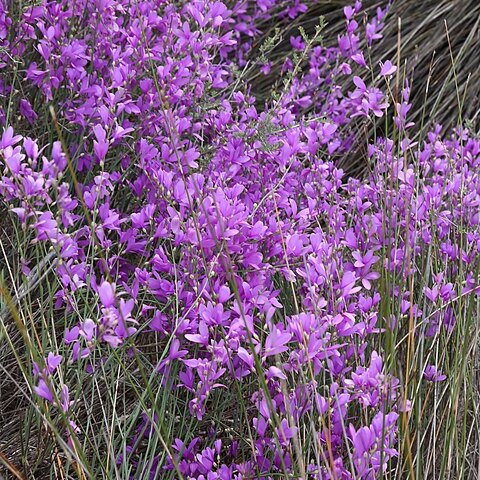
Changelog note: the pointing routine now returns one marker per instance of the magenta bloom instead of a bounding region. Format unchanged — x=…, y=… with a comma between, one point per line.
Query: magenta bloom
x=387, y=69
x=42, y=390
x=237, y=263
x=276, y=342
x=106, y=292
x=432, y=374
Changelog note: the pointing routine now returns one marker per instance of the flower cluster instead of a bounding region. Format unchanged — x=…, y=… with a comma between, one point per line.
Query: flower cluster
x=179, y=207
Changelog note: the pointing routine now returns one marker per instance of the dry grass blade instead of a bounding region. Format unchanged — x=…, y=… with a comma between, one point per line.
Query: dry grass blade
x=11, y=467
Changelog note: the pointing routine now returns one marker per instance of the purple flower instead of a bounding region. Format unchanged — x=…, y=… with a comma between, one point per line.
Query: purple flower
x=349, y=12
x=46, y=227
x=88, y=329
x=387, y=69
x=359, y=59
x=297, y=43
x=100, y=146
x=27, y=111
x=362, y=439
x=8, y=139
x=276, y=342
x=53, y=361
x=432, y=374
x=66, y=403
x=42, y=390
x=173, y=354
x=202, y=337
x=347, y=284
x=106, y=292
x=285, y=432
